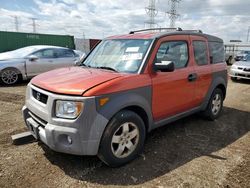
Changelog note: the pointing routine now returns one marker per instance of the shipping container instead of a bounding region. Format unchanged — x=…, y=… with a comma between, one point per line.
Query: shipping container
x=14, y=40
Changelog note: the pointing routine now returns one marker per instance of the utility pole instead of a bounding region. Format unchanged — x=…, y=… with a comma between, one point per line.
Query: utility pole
x=151, y=12
x=172, y=13
x=34, y=24
x=16, y=22
x=248, y=32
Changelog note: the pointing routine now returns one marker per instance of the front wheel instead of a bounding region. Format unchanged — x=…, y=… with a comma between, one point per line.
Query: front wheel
x=123, y=139
x=9, y=76
x=215, y=105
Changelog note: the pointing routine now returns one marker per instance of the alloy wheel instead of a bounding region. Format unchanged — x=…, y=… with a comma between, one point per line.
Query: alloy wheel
x=125, y=140
x=216, y=104
x=9, y=76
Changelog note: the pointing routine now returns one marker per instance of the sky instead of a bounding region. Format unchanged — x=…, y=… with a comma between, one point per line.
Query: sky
x=228, y=19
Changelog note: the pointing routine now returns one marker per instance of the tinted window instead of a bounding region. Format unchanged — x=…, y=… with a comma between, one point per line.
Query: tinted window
x=200, y=52
x=62, y=53
x=217, y=52
x=175, y=51
x=48, y=53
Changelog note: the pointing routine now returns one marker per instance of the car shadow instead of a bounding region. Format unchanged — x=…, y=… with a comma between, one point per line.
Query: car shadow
x=166, y=149
x=21, y=83
x=242, y=81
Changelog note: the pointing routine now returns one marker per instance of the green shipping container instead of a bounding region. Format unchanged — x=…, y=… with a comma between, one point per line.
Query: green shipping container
x=14, y=40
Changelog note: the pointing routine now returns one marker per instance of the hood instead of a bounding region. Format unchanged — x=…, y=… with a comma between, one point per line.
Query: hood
x=73, y=80
x=7, y=56
x=242, y=63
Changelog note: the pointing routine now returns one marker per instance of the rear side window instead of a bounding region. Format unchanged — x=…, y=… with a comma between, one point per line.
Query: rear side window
x=217, y=52
x=175, y=51
x=62, y=53
x=200, y=52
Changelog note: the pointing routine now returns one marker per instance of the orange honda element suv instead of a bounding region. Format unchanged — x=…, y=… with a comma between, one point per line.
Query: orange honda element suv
x=125, y=87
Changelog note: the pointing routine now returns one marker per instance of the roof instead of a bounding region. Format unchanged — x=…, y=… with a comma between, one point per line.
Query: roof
x=156, y=35
x=44, y=46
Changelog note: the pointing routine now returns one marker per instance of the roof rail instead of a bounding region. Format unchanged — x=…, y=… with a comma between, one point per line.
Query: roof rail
x=195, y=31
x=156, y=29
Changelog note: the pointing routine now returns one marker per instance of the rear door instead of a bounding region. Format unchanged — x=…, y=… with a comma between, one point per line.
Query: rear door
x=202, y=67
x=173, y=92
x=64, y=58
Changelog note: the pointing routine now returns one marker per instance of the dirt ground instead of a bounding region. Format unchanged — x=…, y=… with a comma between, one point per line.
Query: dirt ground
x=191, y=152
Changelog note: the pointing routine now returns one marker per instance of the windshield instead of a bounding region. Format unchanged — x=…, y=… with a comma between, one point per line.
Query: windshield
x=247, y=58
x=121, y=55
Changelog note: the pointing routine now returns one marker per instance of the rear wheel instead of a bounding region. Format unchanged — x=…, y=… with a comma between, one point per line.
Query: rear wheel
x=123, y=139
x=10, y=76
x=215, y=105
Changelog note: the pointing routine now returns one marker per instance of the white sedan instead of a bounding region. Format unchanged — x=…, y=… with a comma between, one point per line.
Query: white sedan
x=27, y=62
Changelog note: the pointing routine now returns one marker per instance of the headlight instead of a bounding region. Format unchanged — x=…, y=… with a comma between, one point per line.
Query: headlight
x=68, y=109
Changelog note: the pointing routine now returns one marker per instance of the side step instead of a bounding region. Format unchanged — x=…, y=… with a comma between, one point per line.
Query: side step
x=22, y=138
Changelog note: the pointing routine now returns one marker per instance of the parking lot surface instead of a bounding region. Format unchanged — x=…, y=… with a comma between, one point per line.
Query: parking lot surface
x=191, y=152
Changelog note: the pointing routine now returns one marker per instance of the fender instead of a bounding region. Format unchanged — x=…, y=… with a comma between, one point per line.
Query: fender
x=218, y=78
x=140, y=97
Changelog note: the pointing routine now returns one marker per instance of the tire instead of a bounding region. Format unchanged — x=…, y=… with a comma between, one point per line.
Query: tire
x=215, y=105
x=10, y=76
x=233, y=79
x=124, y=129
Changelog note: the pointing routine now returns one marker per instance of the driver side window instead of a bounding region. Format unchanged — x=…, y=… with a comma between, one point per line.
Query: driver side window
x=175, y=51
x=47, y=53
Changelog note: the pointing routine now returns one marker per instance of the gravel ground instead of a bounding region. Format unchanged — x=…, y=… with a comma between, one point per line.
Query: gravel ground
x=191, y=152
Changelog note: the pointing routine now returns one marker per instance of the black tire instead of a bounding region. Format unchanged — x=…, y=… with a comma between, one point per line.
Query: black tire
x=106, y=149
x=17, y=77
x=233, y=79
x=209, y=113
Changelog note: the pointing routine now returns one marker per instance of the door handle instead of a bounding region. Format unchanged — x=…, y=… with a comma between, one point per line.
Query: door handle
x=192, y=77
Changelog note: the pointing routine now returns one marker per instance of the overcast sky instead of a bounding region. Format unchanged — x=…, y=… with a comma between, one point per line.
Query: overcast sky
x=227, y=19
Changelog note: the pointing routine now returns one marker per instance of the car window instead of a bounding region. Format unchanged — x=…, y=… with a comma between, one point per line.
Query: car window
x=200, y=52
x=217, y=52
x=64, y=53
x=175, y=51
x=47, y=53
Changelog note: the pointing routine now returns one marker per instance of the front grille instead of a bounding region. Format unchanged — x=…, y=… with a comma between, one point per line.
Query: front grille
x=247, y=69
x=243, y=75
x=40, y=96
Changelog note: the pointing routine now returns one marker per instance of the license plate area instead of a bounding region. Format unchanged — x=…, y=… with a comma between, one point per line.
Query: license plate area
x=33, y=127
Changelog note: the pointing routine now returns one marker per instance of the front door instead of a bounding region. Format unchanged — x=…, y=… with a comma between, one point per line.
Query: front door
x=43, y=63
x=173, y=92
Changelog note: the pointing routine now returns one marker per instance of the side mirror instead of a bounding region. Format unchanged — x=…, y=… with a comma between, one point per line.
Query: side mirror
x=77, y=62
x=164, y=66
x=32, y=58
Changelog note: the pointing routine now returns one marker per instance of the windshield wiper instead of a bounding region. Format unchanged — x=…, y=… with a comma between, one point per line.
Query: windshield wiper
x=85, y=65
x=107, y=68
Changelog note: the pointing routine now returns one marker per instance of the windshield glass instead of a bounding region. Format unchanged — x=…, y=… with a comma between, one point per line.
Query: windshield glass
x=247, y=58
x=121, y=55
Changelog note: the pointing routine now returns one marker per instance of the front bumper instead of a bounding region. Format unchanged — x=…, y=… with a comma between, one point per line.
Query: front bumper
x=237, y=73
x=58, y=138
x=80, y=136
